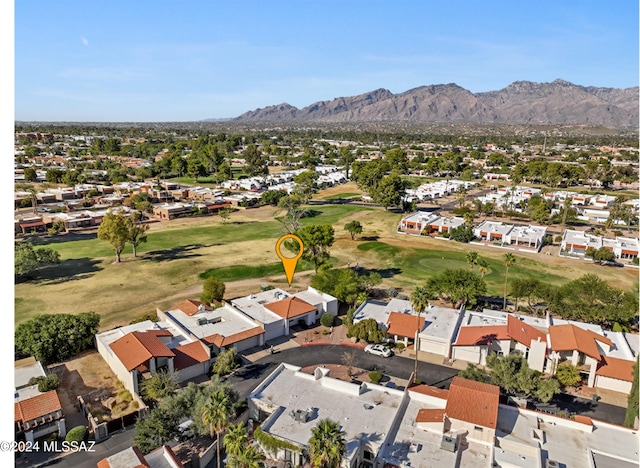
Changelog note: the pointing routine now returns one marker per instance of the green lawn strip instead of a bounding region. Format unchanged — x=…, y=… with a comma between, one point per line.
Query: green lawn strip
x=240, y=272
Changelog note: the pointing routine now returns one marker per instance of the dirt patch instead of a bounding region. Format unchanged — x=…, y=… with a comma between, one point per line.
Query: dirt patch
x=89, y=376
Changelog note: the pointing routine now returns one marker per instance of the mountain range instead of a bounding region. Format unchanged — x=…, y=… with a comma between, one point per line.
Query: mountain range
x=521, y=103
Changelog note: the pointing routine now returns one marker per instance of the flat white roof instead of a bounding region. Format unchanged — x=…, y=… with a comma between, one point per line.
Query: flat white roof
x=440, y=322
x=224, y=321
x=567, y=441
x=253, y=305
x=362, y=410
x=22, y=374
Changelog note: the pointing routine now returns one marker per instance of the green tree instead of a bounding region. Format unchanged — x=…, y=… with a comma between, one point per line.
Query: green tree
x=632, y=414
x=212, y=290
x=473, y=372
x=255, y=162
x=115, y=230
x=419, y=301
x=137, y=231
x=55, y=337
x=226, y=361
x=327, y=444
x=316, y=238
x=472, y=258
x=225, y=213
x=353, y=228
x=457, y=286
x=509, y=259
x=366, y=330
x=389, y=191
x=568, y=375
x=272, y=197
x=160, y=427
x=159, y=385
x=236, y=439
x=30, y=174
x=27, y=259
x=306, y=184
x=216, y=414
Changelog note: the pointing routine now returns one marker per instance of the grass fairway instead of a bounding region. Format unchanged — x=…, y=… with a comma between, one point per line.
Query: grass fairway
x=414, y=266
x=171, y=265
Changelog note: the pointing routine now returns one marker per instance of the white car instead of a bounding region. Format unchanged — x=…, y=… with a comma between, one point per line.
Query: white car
x=378, y=350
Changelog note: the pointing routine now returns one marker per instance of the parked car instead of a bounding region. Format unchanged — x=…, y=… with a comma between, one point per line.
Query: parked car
x=378, y=350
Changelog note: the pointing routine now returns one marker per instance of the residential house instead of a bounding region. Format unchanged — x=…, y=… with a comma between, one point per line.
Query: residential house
x=576, y=243
x=36, y=413
x=137, y=352
x=510, y=236
x=218, y=328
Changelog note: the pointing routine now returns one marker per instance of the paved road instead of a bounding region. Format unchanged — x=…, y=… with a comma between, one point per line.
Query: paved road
x=247, y=378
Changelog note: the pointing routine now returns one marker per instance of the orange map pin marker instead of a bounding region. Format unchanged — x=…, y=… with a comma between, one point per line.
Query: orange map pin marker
x=289, y=264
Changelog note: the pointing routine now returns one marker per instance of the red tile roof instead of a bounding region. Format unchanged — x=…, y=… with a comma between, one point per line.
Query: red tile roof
x=430, y=415
x=221, y=341
x=430, y=391
x=189, y=355
x=481, y=335
x=290, y=307
x=37, y=406
x=473, y=402
x=404, y=325
x=615, y=368
x=569, y=337
x=523, y=332
x=136, y=348
x=191, y=306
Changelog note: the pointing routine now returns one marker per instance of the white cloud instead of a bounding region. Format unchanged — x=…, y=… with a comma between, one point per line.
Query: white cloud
x=85, y=41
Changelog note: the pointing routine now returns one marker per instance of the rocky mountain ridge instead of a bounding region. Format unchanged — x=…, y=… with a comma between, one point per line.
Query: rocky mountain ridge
x=520, y=103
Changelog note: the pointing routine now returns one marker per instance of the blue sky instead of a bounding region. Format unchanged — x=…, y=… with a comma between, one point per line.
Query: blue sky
x=163, y=60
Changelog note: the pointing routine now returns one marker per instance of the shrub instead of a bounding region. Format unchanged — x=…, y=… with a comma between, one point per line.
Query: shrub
x=77, y=434
x=326, y=320
x=375, y=377
x=45, y=384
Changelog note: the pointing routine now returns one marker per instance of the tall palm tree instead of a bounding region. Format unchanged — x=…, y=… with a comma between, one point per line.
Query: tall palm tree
x=419, y=301
x=216, y=414
x=472, y=258
x=327, y=444
x=509, y=260
x=236, y=439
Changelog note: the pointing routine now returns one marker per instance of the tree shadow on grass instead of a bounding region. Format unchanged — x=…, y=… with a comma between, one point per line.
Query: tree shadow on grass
x=183, y=251
x=385, y=273
x=68, y=270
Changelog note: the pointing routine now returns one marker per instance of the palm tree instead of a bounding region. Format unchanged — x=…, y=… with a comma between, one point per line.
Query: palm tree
x=236, y=439
x=509, y=260
x=472, y=258
x=249, y=457
x=327, y=444
x=216, y=414
x=483, y=266
x=419, y=301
